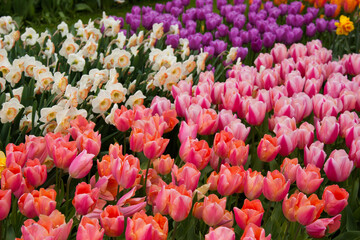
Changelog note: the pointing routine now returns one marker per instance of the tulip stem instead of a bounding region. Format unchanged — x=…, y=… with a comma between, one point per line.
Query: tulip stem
x=174, y=231
x=268, y=211
x=286, y=230
x=68, y=187
x=146, y=176
x=297, y=231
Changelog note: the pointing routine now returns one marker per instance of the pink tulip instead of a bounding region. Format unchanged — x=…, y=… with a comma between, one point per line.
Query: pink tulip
x=289, y=168
x=231, y=180
x=225, y=118
x=238, y=153
x=263, y=95
x=89, y=228
x=334, y=67
x=264, y=59
x=354, y=153
x=81, y=165
x=287, y=143
x=220, y=233
x=305, y=135
x=187, y=130
x=11, y=177
x=294, y=83
x=251, y=212
x=35, y=173
x=352, y=64
x=321, y=227
x=346, y=121
x=5, y=202
x=268, y=148
x=90, y=141
x=312, y=87
x=37, y=203
x=160, y=105
x=15, y=154
x=254, y=232
x=326, y=106
x=188, y=175
x=154, y=148
x=275, y=186
x=308, y=180
x=163, y=164
x=315, y=154
x=85, y=198
x=123, y=118
x=238, y=129
x=336, y=199
x=181, y=87
x=267, y=79
x=256, y=113
x=182, y=103
x=313, y=46
x=338, y=167
x=207, y=122
x=195, y=152
x=36, y=148
x=126, y=170
x=253, y=184
x=279, y=52
x=351, y=134
x=64, y=153
x=327, y=130
x=211, y=211
x=112, y=220
x=222, y=144
x=314, y=70
x=297, y=51
x=333, y=87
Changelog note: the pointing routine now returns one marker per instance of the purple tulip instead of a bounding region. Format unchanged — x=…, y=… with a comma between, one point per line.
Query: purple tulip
x=268, y=6
x=241, y=8
x=239, y=21
x=252, y=17
x=200, y=14
x=183, y=33
x=147, y=21
x=310, y=30
x=284, y=9
x=236, y=2
x=254, y=34
x=274, y=13
x=268, y=39
x=321, y=25
x=330, y=9
x=135, y=23
x=254, y=7
x=249, y=26
x=177, y=3
x=245, y=37
x=136, y=10
x=219, y=46
x=173, y=40
x=207, y=38
x=159, y=7
x=190, y=24
x=298, y=33
x=289, y=37
x=210, y=50
x=185, y=2
x=175, y=11
x=199, y=3
x=256, y=45
x=242, y=52
x=236, y=42
x=223, y=30
x=331, y=25
x=261, y=25
x=234, y=32
x=230, y=16
x=168, y=6
x=290, y=19
x=262, y=14
x=294, y=7
x=308, y=18
x=195, y=41
x=220, y=3
x=313, y=11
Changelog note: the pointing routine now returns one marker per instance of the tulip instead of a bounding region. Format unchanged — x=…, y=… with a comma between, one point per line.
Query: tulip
x=112, y=220
x=354, y=153
x=187, y=130
x=213, y=181
x=279, y=52
x=141, y=226
x=36, y=147
x=220, y=233
x=327, y=130
x=15, y=154
x=212, y=210
x=289, y=168
x=238, y=153
x=338, y=167
x=222, y=144
x=163, y=164
x=81, y=165
x=231, y=180
x=126, y=170
x=315, y=154
x=302, y=209
x=188, y=175
x=287, y=142
x=308, y=180
x=238, y=129
x=195, y=152
x=346, y=121
x=207, y=122
x=35, y=173
x=251, y=212
x=123, y=118
x=256, y=113
x=89, y=228
x=37, y=202
x=305, y=135
x=268, y=148
x=182, y=103
x=64, y=153
x=11, y=178
x=253, y=184
x=90, y=141
x=275, y=186
x=254, y=232
x=5, y=202
x=326, y=106
x=265, y=60
x=336, y=199
x=154, y=148
x=352, y=134
x=85, y=198
x=320, y=227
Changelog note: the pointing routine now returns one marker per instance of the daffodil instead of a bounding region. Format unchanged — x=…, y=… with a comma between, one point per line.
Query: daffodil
x=344, y=26
x=2, y=162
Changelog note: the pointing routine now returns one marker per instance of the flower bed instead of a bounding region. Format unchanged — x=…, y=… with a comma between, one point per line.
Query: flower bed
x=159, y=133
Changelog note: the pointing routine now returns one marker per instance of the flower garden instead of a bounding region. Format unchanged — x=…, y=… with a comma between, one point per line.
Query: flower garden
x=190, y=120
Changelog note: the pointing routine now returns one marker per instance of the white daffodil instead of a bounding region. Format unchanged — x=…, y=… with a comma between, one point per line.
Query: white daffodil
x=30, y=36
x=10, y=110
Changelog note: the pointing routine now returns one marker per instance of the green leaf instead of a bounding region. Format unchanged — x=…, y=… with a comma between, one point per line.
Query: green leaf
x=350, y=221
x=354, y=235
x=83, y=7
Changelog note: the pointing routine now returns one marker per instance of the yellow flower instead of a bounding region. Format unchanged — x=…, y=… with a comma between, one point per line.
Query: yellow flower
x=2, y=162
x=345, y=26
